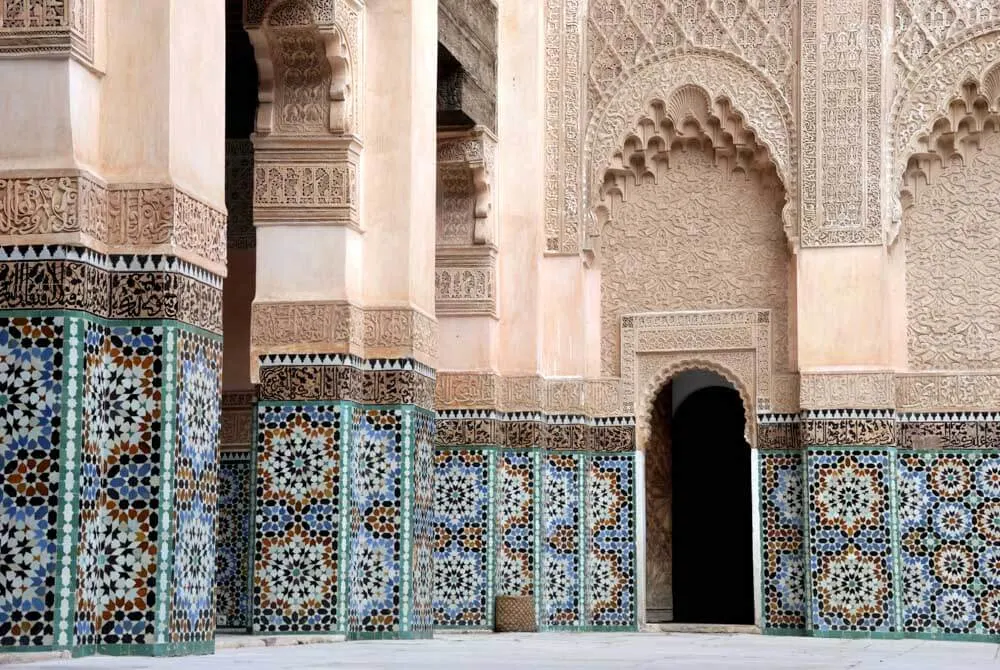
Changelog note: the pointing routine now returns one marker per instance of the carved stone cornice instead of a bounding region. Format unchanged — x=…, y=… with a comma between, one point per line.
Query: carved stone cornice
x=962, y=391
x=75, y=207
x=310, y=181
x=465, y=281
x=855, y=390
x=338, y=327
x=47, y=28
x=475, y=151
x=558, y=396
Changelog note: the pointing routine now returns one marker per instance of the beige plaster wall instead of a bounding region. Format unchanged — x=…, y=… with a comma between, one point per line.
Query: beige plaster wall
x=50, y=118
x=197, y=151
x=520, y=191
x=953, y=265
x=136, y=109
x=309, y=263
x=398, y=167
x=843, y=321
x=562, y=300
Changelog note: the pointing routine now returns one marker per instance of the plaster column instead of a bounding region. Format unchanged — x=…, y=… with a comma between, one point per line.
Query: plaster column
x=343, y=326
x=111, y=321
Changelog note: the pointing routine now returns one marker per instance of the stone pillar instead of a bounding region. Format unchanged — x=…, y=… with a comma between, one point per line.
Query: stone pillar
x=343, y=327
x=848, y=423
x=112, y=252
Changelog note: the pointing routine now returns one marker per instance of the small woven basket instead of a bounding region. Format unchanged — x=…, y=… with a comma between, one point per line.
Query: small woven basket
x=515, y=614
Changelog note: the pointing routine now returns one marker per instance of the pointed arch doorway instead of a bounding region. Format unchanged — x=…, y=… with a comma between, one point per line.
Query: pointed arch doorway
x=699, y=504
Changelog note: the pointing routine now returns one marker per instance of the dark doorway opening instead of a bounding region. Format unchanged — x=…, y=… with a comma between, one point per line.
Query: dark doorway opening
x=699, y=448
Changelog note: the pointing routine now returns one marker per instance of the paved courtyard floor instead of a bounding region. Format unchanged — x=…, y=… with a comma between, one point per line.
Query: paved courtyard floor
x=552, y=650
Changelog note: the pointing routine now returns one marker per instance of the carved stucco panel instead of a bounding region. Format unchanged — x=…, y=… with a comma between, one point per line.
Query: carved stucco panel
x=924, y=96
x=722, y=76
x=700, y=239
x=953, y=266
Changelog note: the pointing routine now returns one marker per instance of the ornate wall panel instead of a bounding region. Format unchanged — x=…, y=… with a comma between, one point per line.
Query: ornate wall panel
x=517, y=562
x=842, y=129
x=967, y=54
x=640, y=51
x=852, y=562
x=727, y=81
x=234, y=540
x=953, y=266
x=950, y=543
x=464, y=548
x=562, y=537
x=297, y=551
x=611, y=551
x=782, y=534
x=240, y=233
x=735, y=257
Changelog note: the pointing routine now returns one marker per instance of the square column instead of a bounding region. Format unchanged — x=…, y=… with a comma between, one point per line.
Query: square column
x=109, y=460
x=343, y=526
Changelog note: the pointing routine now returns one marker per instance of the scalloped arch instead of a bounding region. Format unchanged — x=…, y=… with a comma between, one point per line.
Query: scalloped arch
x=723, y=77
x=655, y=385
x=926, y=97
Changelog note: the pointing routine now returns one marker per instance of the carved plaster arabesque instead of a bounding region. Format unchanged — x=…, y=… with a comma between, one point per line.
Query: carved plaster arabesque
x=341, y=327
x=736, y=367
x=687, y=120
x=948, y=391
x=723, y=77
x=841, y=112
x=691, y=42
x=309, y=61
x=489, y=390
x=924, y=96
x=711, y=339
x=733, y=249
x=76, y=207
x=33, y=28
x=465, y=275
x=847, y=390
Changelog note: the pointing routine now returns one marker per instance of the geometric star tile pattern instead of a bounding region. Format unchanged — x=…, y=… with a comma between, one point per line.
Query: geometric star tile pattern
x=949, y=527
x=233, y=540
x=611, y=597
x=31, y=384
x=296, y=524
x=195, y=487
x=562, y=542
x=461, y=548
x=377, y=552
x=782, y=533
x=516, y=502
x=850, y=540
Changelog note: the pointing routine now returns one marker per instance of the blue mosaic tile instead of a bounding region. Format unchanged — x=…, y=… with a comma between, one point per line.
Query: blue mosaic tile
x=782, y=530
x=610, y=569
x=121, y=472
x=516, y=524
x=233, y=540
x=296, y=547
x=423, y=523
x=461, y=499
x=949, y=526
x=195, y=477
x=850, y=540
x=31, y=379
x=377, y=553
x=561, y=537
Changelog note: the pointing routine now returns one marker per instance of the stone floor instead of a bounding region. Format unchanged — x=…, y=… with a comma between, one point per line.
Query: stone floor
x=551, y=650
